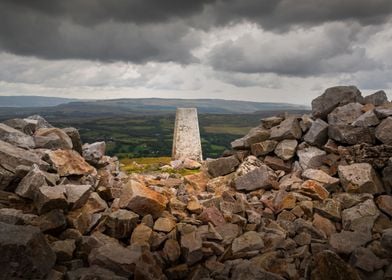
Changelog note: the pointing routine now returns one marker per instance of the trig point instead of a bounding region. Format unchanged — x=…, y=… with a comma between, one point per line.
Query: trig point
x=186, y=138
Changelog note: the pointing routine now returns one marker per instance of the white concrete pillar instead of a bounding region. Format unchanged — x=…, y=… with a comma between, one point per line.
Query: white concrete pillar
x=186, y=138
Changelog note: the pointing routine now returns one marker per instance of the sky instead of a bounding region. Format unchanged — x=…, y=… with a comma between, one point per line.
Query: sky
x=258, y=50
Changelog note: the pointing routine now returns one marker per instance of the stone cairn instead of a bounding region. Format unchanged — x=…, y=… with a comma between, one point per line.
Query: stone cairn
x=298, y=197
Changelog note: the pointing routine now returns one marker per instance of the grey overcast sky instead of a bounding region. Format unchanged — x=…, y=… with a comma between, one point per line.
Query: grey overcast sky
x=259, y=50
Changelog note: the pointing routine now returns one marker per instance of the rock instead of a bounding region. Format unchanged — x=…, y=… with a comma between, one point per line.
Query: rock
x=93, y=153
x=328, y=265
x=278, y=164
x=194, y=206
x=52, y=221
x=142, y=200
x=191, y=247
x=384, y=131
x=361, y=217
x=48, y=198
x=323, y=224
x=306, y=122
x=271, y=122
x=367, y=119
x=31, y=183
x=228, y=232
x=328, y=208
x=255, y=135
x=74, y=135
x=378, y=98
x=142, y=234
x=212, y=215
x=321, y=177
x=11, y=158
x=345, y=115
x=120, y=224
x=346, y=242
x=26, y=126
x=116, y=258
x=77, y=195
x=312, y=189
x=24, y=253
x=286, y=149
x=253, y=180
x=384, y=110
x=64, y=249
x=69, y=162
x=52, y=138
x=351, y=135
x=378, y=156
x=15, y=137
x=222, y=166
x=263, y=148
x=384, y=202
x=311, y=157
x=249, y=241
x=39, y=121
x=164, y=224
x=287, y=129
x=317, y=135
x=386, y=239
x=93, y=272
x=366, y=260
x=172, y=250
x=360, y=178
x=191, y=164
x=246, y=269
x=334, y=97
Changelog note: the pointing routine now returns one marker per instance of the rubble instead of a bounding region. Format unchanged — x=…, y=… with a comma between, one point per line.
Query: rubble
x=298, y=197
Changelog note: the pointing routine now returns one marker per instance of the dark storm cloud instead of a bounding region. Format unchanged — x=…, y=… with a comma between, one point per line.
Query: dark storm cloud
x=281, y=14
x=160, y=30
x=24, y=31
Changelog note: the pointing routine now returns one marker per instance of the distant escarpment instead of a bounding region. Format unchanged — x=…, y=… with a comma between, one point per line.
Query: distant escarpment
x=298, y=197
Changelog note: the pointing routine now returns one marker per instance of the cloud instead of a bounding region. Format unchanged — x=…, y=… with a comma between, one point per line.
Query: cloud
x=154, y=30
x=325, y=49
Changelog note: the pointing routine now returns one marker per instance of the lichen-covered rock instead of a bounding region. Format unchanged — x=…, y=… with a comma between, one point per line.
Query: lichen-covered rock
x=263, y=148
x=360, y=178
x=351, y=135
x=254, y=179
x=286, y=149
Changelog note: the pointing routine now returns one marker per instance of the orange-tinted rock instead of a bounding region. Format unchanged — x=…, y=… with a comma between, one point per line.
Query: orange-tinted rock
x=312, y=189
x=69, y=162
x=198, y=181
x=142, y=200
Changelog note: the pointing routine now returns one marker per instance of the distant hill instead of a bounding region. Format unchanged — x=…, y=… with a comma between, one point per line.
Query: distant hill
x=32, y=101
x=74, y=108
